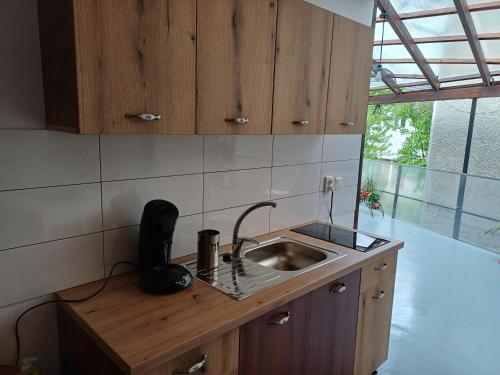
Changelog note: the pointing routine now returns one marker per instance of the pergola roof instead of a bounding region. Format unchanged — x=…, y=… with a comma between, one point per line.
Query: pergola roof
x=438, y=49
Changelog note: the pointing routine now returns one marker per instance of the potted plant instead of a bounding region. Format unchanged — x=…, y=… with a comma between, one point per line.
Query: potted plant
x=367, y=188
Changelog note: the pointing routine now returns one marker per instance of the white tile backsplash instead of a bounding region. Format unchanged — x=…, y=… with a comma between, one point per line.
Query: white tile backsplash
x=236, y=188
x=344, y=201
x=40, y=158
x=297, y=149
x=233, y=152
x=122, y=244
x=294, y=210
x=255, y=223
x=38, y=215
x=341, y=147
x=139, y=156
x=123, y=201
x=348, y=170
x=346, y=219
x=40, y=269
x=295, y=180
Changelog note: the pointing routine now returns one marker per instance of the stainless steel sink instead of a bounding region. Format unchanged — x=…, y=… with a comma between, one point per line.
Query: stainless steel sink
x=285, y=255
x=263, y=265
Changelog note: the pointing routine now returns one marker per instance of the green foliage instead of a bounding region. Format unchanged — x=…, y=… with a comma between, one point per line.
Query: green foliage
x=493, y=231
x=412, y=120
x=369, y=184
x=374, y=198
x=415, y=121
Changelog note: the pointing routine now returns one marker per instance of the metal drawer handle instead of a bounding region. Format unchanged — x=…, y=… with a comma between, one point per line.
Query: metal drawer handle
x=338, y=288
x=383, y=268
x=280, y=322
x=301, y=122
x=143, y=116
x=348, y=124
x=238, y=120
x=380, y=295
x=197, y=367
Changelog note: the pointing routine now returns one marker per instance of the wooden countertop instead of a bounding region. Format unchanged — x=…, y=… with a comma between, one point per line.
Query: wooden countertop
x=141, y=331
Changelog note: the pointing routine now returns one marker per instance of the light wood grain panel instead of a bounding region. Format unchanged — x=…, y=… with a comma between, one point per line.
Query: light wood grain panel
x=302, y=67
x=141, y=332
x=145, y=64
x=377, y=271
x=349, y=76
x=374, y=325
x=235, y=58
x=222, y=357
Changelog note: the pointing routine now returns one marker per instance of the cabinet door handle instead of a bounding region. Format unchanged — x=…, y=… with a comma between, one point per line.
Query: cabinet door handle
x=382, y=268
x=280, y=321
x=143, y=116
x=338, y=288
x=238, y=120
x=380, y=295
x=348, y=124
x=301, y=122
x=197, y=367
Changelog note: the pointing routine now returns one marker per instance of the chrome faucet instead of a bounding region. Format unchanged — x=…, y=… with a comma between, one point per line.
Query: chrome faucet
x=239, y=241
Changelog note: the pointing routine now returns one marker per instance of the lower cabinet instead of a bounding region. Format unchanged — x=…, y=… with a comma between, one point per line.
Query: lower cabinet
x=276, y=343
x=332, y=338
x=314, y=335
x=374, y=315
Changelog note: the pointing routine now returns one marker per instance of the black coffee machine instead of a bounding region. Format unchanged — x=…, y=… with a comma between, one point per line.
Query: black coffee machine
x=156, y=273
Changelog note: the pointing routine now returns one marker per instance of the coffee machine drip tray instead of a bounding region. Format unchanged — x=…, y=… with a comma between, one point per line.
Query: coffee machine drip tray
x=343, y=237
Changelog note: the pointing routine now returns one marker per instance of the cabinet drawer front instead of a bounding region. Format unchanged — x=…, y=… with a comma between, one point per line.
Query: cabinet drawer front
x=217, y=357
x=377, y=271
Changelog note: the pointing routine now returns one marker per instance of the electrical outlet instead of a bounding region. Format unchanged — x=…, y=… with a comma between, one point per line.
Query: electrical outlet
x=327, y=184
x=337, y=182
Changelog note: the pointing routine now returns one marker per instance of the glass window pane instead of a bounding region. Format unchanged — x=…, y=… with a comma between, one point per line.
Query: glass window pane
x=453, y=70
x=435, y=26
x=446, y=50
x=390, y=52
x=403, y=6
x=480, y=197
x=473, y=228
x=486, y=21
x=384, y=174
x=491, y=48
x=438, y=219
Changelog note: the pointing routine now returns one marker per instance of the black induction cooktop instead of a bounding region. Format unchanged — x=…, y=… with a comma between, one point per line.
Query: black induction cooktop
x=342, y=237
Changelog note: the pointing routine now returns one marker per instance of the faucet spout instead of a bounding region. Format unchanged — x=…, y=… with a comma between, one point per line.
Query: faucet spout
x=237, y=241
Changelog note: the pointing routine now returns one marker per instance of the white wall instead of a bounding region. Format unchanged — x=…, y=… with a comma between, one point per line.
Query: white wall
x=357, y=10
x=70, y=204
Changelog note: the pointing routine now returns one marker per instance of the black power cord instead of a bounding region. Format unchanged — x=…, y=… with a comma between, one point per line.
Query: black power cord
x=331, y=207
x=18, y=341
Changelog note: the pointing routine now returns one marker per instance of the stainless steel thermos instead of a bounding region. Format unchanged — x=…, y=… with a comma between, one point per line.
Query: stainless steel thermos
x=208, y=249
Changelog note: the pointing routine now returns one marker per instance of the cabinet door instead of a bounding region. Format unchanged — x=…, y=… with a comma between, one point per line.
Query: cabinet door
x=332, y=339
x=302, y=67
x=349, y=77
x=276, y=343
x=374, y=324
x=140, y=59
x=235, y=57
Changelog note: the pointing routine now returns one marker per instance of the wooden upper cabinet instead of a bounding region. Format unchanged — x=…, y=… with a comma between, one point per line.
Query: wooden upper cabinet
x=349, y=77
x=127, y=58
x=302, y=66
x=235, y=57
